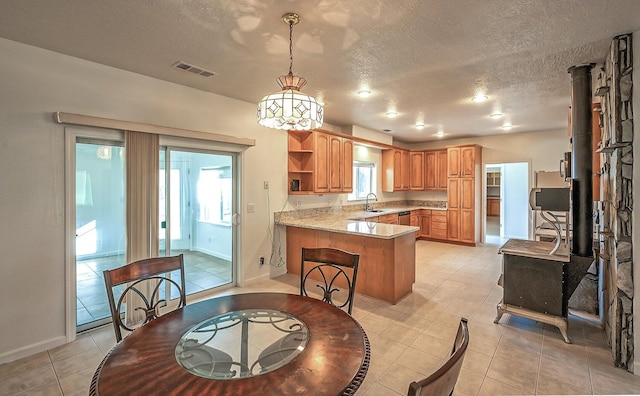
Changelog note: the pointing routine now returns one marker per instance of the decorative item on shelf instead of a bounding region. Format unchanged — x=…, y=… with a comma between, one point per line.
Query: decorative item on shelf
x=290, y=108
x=295, y=185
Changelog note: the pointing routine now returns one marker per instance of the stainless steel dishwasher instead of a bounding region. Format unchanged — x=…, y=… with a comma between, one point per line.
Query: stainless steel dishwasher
x=404, y=218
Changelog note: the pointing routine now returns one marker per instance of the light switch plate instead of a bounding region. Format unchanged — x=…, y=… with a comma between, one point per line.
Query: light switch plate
x=251, y=208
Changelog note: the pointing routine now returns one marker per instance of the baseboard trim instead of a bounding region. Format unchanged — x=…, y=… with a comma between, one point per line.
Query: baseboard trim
x=32, y=349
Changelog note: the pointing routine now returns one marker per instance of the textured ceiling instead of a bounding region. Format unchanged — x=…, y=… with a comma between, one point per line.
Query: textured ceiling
x=423, y=59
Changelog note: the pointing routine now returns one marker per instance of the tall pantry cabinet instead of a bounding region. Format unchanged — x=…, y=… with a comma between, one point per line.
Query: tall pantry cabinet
x=463, y=194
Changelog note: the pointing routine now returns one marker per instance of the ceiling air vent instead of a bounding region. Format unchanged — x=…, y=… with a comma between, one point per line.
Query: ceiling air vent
x=193, y=69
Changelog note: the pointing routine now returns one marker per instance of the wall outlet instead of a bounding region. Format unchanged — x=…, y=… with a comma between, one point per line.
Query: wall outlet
x=261, y=260
x=266, y=184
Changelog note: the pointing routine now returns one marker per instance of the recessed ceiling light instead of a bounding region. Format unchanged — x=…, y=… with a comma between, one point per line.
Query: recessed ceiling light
x=496, y=115
x=440, y=134
x=479, y=98
x=419, y=126
x=507, y=126
x=392, y=114
x=387, y=130
x=364, y=93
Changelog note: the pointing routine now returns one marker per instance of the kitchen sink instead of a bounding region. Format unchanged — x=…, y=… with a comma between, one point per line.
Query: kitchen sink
x=375, y=211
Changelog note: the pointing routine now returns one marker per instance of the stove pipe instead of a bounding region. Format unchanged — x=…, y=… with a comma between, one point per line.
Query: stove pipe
x=581, y=161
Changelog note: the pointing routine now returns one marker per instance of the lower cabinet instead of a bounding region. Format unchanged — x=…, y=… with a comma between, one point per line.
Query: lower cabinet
x=453, y=224
x=439, y=224
x=425, y=223
x=391, y=218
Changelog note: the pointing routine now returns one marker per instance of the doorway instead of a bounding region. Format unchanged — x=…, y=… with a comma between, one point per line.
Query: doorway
x=507, y=202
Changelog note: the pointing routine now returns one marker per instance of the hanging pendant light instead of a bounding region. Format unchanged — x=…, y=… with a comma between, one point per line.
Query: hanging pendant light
x=290, y=108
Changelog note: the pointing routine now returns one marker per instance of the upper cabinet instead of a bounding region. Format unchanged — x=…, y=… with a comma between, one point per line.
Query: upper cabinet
x=462, y=161
x=416, y=170
x=463, y=192
x=395, y=170
x=319, y=163
x=435, y=169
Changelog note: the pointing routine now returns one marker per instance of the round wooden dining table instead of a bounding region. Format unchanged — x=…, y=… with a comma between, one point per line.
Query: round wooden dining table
x=332, y=360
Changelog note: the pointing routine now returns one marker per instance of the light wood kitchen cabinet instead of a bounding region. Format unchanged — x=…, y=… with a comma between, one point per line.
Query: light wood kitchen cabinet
x=463, y=209
x=442, y=162
x=493, y=206
x=435, y=170
x=453, y=224
x=439, y=224
x=322, y=168
x=425, y=223
x=301, y=166
x=319, y=163
x=340, y=164
x=462, y=161
x=391, y=218
x=395, y=170
x=416, y=170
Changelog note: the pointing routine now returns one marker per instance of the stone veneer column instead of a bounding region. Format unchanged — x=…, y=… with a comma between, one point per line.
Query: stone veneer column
x=615, y=233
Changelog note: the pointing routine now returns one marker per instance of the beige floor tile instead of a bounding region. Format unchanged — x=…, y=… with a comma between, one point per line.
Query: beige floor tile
x=468, y=383
x=571, y=371
x=76, y=363
x=444, y=326
x=419, y=361
x=386, y=348
x=51, y=389
x=78, y=383
x=400, y=333
x=492, y=387
x=380, y=390
x=623, y=383
x=397, y=378
x=433, y=346
x=555, y=385
x=518, y=373
x=374, y=325
x=24, y=365
x=476, y=362
x=83, y=343
x=39, y=376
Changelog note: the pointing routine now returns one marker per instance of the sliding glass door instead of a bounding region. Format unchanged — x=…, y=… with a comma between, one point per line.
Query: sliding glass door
x=197, y=191
x=100, y=225
x=197, y=200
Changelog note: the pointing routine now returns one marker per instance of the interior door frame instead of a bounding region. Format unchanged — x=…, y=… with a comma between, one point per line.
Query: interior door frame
x=71, y=135
x=501, y=165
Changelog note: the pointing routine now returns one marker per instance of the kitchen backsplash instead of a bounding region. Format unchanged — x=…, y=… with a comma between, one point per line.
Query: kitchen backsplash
x=359, y=207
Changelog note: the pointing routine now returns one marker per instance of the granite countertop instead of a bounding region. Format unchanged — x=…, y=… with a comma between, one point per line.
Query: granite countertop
x=350, y=221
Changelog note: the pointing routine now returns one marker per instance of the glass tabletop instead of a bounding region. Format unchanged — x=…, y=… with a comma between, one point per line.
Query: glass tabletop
x=241, y=343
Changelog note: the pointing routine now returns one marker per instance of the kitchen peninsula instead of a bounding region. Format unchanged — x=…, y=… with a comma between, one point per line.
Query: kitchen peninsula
x=387, y=251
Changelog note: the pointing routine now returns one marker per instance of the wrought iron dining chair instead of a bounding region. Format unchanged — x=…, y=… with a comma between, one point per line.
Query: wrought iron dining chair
x=444, y=379
x=144, y=284
x=327, y=273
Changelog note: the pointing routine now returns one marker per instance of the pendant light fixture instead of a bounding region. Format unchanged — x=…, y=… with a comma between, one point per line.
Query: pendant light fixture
x=289, y=108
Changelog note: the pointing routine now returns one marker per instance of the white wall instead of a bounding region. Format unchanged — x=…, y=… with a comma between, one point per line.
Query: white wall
x=36, y=83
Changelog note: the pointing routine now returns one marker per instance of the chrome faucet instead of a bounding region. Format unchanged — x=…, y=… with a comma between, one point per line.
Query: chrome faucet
x=368, y=208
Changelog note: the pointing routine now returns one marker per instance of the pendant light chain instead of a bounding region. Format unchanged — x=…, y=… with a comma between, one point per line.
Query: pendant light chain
x=290, y=47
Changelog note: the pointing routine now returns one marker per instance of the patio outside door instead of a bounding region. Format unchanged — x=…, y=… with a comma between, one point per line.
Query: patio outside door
x=197, y=200
x=100, y=225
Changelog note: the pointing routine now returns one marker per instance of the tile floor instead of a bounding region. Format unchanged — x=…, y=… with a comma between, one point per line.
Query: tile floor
x=202, y=272
x=408, y=340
